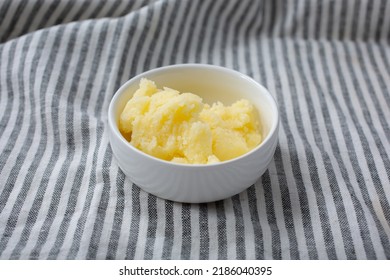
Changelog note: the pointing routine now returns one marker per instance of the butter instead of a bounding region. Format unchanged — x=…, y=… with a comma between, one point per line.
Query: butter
x=179, y=127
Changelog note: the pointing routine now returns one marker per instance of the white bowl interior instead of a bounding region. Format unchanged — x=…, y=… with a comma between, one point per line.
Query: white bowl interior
x=224, y=85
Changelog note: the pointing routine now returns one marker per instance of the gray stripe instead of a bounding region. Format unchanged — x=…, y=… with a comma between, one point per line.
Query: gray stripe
x=135, y=219
x=329, y=20
x=351, y=151
x=179, y=36
x=342, y=17
x=152, y=227
x=33, y=213
x=254, y=215
x=31, y=16
x=118, y=217
x=204, y=246
x=101, y=210
x=5, y=7
x=312, y=165
x=169, y=231
x=47, y=17
x=271, y=11
x=10, y=100
x=210, y=9
x=214, y=29
x=306, y=22
x=17, y=206
x=152, y=46
x=353, y=157
x=186, y=233
x=318, y=19
x=295, y=20
x=15, y=19
x=380, y=76
x=385, y=60
x=325, y=223
x=381, y=20
x=140, y=43
x=71, y=146
x=221, y=230
x=371, y=161
x=341, y=212
x=196, y=16
x=379, y=111
x=83, y=8
x=13, y=136
x=107, y=158
x=282, y=180
x=99, y=130
x=172, y=21
x=113, y=12
x=355, y=20
x=252, y=28
x=62, y=15
x=3, y=12
x=238, y=32
x=303, y=199
x=240, y=229
x=225, y=31
x=60, y=182
x=367, y=32
x=99, y=6
x=125, y=54
x=287, y=211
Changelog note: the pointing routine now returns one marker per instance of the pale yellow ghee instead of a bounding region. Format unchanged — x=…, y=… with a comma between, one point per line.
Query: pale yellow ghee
x=179, y=127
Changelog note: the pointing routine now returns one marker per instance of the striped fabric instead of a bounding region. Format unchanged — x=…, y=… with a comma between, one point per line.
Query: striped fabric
x=326, y=194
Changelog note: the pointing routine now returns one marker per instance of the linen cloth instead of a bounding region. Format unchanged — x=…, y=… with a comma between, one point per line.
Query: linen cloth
x=325, y=195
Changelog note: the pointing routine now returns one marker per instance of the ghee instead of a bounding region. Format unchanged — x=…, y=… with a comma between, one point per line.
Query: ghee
x=179, y=127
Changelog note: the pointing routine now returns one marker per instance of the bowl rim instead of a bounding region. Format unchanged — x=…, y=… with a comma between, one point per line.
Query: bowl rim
x=115, y=130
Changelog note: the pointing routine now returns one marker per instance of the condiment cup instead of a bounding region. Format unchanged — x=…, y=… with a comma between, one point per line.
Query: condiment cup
x=197, y=183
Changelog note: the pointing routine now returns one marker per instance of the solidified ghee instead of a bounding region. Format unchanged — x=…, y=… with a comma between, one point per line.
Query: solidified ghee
x=179, y=127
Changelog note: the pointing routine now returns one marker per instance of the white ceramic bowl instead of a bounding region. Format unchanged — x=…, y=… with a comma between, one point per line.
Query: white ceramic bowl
x=197, y=183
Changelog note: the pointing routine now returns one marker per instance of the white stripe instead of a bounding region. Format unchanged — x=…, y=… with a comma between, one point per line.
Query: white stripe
x=16, y=103
x=354, y=134
x=146, y=44
x=279, y=216
x=62, y=123
x=218, y=47
x=307, y=126
x=126, y=221
x=8, y=18
x=229, y=48
x=300, y=145
x=184, y=33
x=161, y=32
x=385, y=28
x=176, y=29
x=366, y=64
x=4, y=93
x=363, y=122
x=276, y=191
x=196, y=35
x=205, y=46
x=375, y=13
x=177, y=232
x=332, y=212
x=98, y=76
x=195, y=234
x=242, y=48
